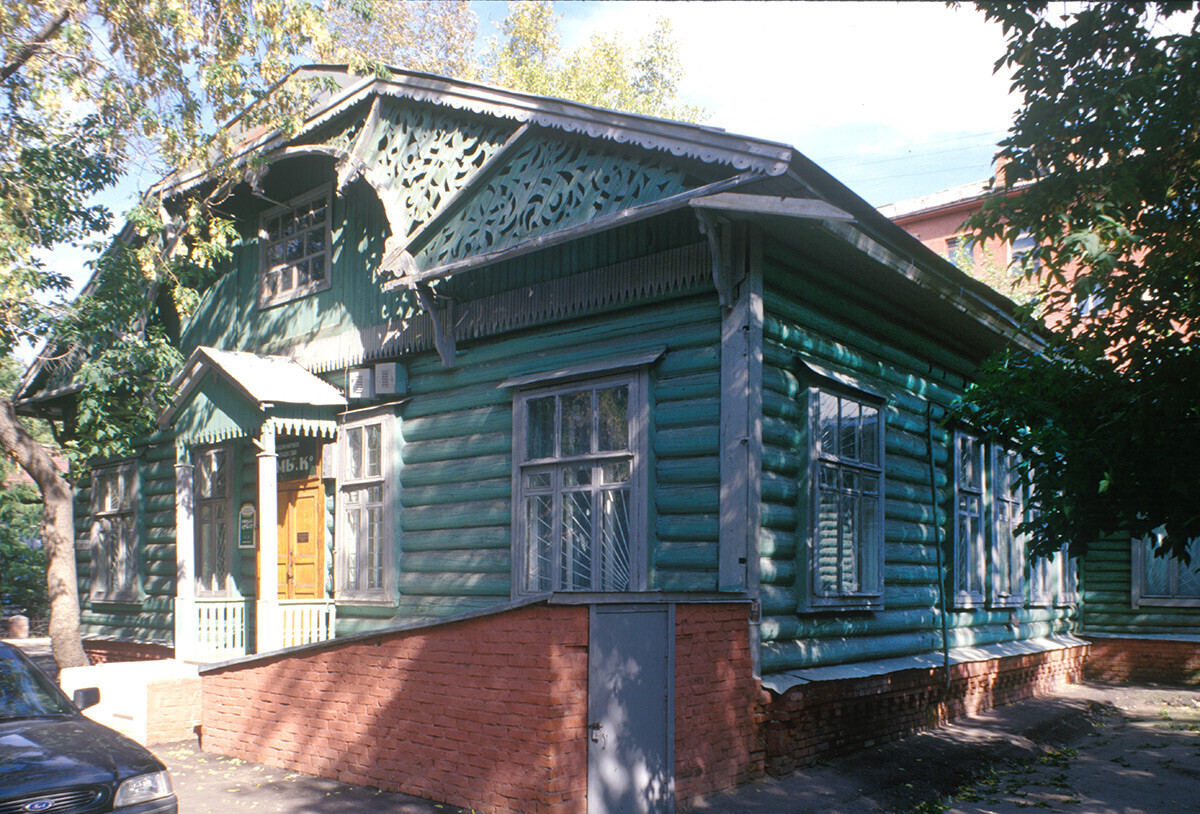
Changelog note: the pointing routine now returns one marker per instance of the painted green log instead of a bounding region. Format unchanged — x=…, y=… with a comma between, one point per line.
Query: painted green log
x=845, y=348
x=778, y=572
x=781, y=517
x=676, y=414
x=684, y=581
x=909, y=596
x=783, y=462
x=777, y=405
x=477, y=561
x=797, y=655
x=687, y=499
x=687, y=528
x=481, y=513
x=456, y=493
x=777, y=600
x=684, y=361
x=911, y=553
x=434, y=607
x=479, y=397
x=776, y=489
x=455, y=584
x=688, y=470
x=898, y=574
x=464, y=422
x=899, y=531
x=461, y=470
x=781, y=433
x=1145, y=619
x=783, y=628
x=913, y=512
x=676, y=556
x=687, y=388
x=687, y=443
x=839, y=306
x=464, y=446
x=777, y=544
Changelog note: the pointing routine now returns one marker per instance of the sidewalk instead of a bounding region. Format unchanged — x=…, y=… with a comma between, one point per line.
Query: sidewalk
x=1091, y=748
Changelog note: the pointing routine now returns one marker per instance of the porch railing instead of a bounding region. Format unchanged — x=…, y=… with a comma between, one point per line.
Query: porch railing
x=220, y=628
x=307, y=621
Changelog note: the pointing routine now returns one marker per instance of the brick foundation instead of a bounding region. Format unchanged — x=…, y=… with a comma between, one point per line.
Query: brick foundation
x=827, y=718
x=1161, y=661
x=719, y=706
x=488, y=713
x=104, y=652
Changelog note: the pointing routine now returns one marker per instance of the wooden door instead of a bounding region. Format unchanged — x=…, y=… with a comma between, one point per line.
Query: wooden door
x=302, y=540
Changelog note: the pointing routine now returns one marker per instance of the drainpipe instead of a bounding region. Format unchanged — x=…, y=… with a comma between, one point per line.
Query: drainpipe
x=937, y=544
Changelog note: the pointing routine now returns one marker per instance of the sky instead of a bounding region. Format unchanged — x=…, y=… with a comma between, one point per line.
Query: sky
x=896, y=100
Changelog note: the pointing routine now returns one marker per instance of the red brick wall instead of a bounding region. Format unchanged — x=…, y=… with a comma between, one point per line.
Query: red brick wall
x=103, y=652
x=489, y=712
x=1144, y=660
x=172, y=710
x=718, y=702
x=826, y=718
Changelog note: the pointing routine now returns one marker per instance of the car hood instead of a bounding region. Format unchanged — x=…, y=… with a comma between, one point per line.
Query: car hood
x=66, y=750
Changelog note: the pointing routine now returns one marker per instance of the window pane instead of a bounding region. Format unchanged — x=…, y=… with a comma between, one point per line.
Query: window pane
x=539, y=428
x=577, y=475
x=538, y=480
x=318, y=268
x=373, y=450
x=849, y=430
x=828, y=423
x=614, y=540
x=374, y=548
x=316, y=241
x=616, y=472
x=294, y=249
x=576, y=567
x=868, y=433
x=539, y=542
x=354, y=456
x=612, y=403
x=826, y=554
x=354, y=535
x=302, y=273
x=576, y=430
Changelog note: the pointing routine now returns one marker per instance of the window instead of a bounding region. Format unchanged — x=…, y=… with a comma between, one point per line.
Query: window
x=114, y=533
x=960, y=251
x=295, y=249
x=846, y=565
x=1008, y=547
x=970, y=541
x=364, y=534
x=1053, y=580
x=1022, y=248
x=1165, y=580
x=579, y=491
x=212, y=511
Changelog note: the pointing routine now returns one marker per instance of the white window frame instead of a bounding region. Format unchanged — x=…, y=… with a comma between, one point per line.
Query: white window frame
x=637, y=456
x=1068, y=595
x=348, y=558
x=970, y=522
x=218, y=504
x=870, y=554
x=123, y=513
x=266, y=269
x=1006, y=571
x=1142, y=554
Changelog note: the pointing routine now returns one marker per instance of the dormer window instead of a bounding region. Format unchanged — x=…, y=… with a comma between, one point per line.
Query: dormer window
x=295, y=249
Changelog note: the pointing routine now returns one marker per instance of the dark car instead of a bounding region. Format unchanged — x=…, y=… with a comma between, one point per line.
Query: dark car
x=55, y=760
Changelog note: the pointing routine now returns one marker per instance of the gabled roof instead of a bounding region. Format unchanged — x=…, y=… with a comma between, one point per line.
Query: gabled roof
x=264, y=380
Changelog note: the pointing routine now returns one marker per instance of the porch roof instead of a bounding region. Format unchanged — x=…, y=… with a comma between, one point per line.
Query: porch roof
x=231, y=394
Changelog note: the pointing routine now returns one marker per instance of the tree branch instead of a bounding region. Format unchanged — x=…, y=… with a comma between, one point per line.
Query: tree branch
x=49, y=31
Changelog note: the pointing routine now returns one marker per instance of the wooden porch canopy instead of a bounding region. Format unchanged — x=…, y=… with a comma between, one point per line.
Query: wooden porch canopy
x=232, y=394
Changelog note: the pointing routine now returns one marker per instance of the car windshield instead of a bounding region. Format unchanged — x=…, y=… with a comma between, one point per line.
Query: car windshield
x=25, y=693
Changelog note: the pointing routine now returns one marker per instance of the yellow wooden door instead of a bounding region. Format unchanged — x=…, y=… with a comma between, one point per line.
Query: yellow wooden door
x=301, y=540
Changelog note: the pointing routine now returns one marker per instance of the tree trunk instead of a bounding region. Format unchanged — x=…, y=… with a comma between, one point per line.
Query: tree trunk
x=58, y=535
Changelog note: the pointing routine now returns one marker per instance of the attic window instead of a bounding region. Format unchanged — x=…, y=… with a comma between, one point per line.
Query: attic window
x=295, y=249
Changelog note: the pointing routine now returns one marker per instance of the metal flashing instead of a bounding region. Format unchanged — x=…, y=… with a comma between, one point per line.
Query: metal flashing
x=600, y=366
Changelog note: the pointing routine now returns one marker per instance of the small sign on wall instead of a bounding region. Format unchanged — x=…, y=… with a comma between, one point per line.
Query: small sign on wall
x=247, y=523
x=297, y=458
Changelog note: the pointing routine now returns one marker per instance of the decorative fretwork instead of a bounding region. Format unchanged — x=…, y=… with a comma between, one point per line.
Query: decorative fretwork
x=421, y=156
x=548, y=185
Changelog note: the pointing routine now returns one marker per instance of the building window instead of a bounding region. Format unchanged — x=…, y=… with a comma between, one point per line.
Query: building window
x=364, y=531
x=1165, y=581
x=1022, y=248
x=212, y=510
x=846, y=564
x=114, y=533
x=1008, y=547
x=295, y=249
x=960, y=251
x=970, y=540
x=580, y=486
